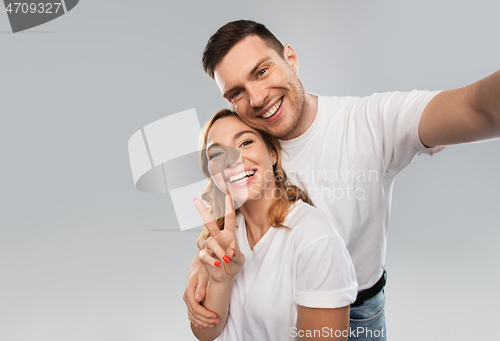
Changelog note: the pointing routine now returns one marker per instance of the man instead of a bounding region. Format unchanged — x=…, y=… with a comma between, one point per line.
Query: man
x=345, y=152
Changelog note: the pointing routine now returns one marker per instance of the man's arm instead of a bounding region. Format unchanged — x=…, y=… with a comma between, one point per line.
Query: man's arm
x=467, y=114
x=195, y=293
x=217, y=299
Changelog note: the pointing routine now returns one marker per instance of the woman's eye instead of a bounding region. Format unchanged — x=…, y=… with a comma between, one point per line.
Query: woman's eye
x=261, y=72
x=246, y=143
x=214, y=155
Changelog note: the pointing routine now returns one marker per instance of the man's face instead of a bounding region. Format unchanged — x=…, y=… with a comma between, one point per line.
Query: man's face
x=262, y=87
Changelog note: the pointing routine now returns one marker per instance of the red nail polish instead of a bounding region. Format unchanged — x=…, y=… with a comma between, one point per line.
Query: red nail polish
x=226, y=258
x=217, y=263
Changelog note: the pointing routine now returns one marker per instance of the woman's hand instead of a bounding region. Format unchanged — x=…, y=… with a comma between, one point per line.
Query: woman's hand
x=221, y=256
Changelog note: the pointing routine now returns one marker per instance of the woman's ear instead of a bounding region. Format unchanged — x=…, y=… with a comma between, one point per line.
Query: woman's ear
x=291, y=58
x=274, y=157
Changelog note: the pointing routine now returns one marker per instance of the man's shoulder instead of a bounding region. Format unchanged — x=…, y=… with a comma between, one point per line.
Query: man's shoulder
x=374, y=102
x=305, y=219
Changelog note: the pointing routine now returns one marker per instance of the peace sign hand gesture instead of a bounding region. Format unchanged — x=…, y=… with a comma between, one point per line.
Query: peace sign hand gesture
x=221, y=256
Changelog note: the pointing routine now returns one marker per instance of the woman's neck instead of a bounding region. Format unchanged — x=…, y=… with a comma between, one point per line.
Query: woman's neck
x=256, y=216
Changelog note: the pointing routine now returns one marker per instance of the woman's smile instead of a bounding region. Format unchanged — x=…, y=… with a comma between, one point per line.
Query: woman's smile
x=241, y=178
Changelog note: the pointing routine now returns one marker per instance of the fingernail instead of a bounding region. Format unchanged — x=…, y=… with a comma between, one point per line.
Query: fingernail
x=226, y=258
x=234, y=253
x=194, y=199
x=198, y=297
x=217, y=263
x=211, y=326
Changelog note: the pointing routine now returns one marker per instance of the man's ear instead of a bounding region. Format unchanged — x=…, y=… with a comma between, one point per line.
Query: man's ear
x=291, y=58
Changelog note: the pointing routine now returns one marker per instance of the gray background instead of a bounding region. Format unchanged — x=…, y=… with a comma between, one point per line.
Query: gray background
x=85, y=256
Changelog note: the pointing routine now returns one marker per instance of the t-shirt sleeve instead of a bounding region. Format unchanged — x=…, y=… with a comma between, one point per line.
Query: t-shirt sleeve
x=325, y=275
x=396, y=116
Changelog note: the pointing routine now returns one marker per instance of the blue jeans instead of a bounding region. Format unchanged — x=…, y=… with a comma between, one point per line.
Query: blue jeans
x=367, y=321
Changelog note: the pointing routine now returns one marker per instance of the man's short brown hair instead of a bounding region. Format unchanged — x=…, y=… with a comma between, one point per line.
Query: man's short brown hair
x=229, y=35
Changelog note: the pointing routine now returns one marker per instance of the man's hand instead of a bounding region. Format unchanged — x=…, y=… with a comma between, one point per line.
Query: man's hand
x=195, y=293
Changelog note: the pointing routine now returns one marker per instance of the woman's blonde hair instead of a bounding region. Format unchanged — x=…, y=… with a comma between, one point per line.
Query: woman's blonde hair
x=284, y=195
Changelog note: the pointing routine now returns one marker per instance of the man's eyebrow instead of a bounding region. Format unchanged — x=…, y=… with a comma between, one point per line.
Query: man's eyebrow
x=234, y=137
x=254, y=69
x=265, y=59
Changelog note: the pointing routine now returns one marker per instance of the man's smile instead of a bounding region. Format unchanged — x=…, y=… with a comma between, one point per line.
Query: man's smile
x=275, y=108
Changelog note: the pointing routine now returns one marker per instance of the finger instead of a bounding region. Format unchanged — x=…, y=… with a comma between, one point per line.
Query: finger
x=234, y=252
x=194, y=283
x=208, y=220
x=202, y=316
x=201, y=286
x=230, y=215
x=202, y=322
x=214, y=246
x=209, y=260
x=196, y=312
x=199, y=315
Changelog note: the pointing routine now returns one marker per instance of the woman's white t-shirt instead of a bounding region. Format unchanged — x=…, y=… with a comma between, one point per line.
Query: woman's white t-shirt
x=307, y=265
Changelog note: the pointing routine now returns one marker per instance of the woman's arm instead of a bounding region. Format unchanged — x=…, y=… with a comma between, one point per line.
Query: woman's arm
x=322, y=323
x=223, y=260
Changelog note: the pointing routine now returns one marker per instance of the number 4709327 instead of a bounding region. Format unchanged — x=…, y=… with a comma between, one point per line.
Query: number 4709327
x=23, y=7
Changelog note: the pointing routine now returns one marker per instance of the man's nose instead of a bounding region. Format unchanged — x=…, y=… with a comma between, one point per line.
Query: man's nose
x=257, y=96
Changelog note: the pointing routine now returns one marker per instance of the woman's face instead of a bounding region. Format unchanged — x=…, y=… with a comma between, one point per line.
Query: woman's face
x=251, y=176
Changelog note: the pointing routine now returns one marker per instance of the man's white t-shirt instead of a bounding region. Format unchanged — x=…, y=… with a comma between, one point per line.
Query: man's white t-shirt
x=347, y=161
x=307, y=265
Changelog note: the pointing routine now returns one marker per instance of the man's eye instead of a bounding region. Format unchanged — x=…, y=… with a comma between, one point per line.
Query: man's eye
x=235, y=94
x=261, y=72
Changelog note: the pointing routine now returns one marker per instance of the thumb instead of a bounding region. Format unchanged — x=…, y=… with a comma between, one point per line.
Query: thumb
x=200, y=291
x=234, y=252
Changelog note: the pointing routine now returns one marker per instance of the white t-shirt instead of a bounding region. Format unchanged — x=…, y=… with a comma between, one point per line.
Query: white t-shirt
x=347, y=161
x=307, y=264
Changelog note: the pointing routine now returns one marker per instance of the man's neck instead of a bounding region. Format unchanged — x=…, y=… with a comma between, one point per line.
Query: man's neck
x=307, y=117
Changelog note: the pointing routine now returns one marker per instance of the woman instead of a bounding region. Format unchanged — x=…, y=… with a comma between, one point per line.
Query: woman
x=278, y=269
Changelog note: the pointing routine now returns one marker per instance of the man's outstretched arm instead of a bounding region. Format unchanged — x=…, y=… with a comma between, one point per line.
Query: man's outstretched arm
x=195, y=293
x=467, y=114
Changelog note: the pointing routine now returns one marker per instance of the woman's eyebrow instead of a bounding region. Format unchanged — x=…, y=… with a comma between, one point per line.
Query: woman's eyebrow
x=234, y=138
x=241, y=133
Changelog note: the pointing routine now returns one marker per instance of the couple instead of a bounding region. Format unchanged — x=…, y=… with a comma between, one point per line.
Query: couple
x=344, y=152
x=276, y=266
